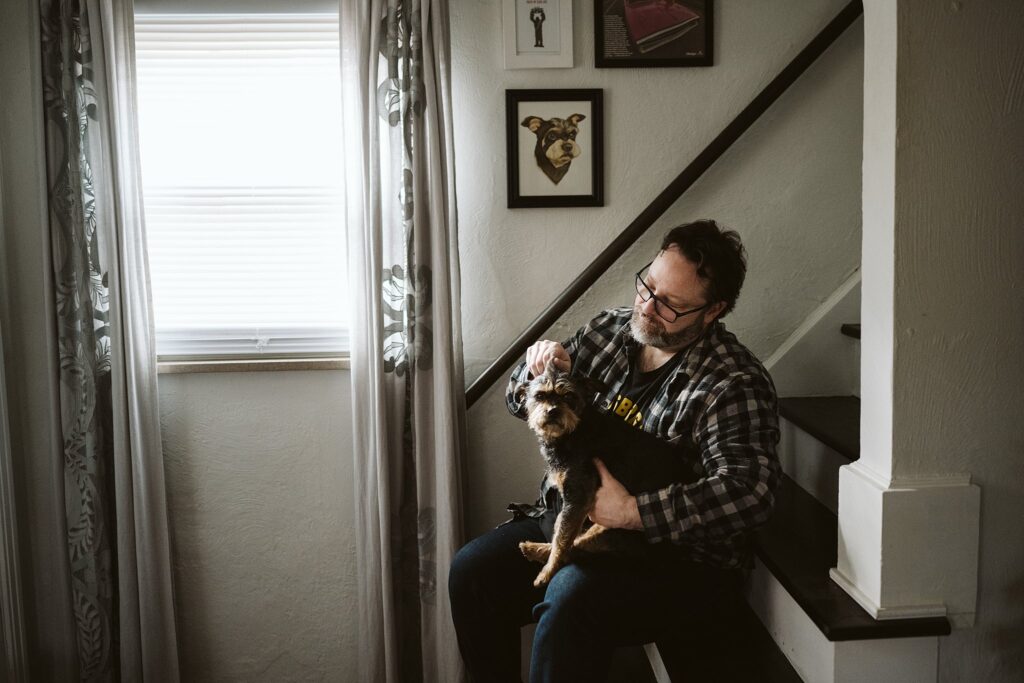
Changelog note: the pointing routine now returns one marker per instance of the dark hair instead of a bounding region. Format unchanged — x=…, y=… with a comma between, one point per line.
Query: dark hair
x=719, y=255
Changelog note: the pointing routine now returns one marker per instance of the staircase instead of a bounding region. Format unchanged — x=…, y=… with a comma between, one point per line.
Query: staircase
x=824, y=633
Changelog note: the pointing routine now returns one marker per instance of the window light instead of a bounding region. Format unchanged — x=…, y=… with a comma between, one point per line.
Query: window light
x=240, y=136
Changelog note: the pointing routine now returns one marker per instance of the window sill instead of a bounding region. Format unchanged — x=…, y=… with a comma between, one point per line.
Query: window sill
x=249, y=365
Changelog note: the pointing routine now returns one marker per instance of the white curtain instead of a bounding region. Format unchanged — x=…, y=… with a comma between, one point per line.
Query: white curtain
x=407, y=379
x=13, y=648
x=117, y=541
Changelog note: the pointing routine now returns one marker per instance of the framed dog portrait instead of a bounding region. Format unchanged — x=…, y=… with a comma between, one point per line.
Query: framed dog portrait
x=632, y=33
x=537, y=33
x=555, y=148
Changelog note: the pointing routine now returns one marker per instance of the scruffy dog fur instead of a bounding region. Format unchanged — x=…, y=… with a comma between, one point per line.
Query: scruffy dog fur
x=572, y=433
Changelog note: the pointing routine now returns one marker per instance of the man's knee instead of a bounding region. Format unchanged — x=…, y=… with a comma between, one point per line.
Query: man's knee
x=480, y=567
x=467, y=568
x=569, y=597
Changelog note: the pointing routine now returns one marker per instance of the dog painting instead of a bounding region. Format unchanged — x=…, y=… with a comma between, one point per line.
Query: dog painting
x=555, y=147
x=556, y=143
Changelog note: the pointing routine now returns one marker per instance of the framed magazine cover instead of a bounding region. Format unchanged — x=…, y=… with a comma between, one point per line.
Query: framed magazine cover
x=653, y=33
x=537, y=33
x=555, y=147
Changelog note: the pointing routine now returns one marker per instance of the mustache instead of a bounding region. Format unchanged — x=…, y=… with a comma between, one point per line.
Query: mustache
x=652, y=332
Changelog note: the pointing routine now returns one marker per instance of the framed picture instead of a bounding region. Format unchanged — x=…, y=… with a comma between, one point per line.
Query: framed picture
x=631, y=33
x=555, y=147
x=538, y=33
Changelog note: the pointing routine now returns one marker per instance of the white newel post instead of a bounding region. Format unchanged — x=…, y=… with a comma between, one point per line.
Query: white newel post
x=908, y=513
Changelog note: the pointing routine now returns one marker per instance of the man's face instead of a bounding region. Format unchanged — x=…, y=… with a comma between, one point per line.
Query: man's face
x=673, y=279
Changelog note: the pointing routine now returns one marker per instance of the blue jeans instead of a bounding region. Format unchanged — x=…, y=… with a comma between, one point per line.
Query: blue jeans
x=583, y=614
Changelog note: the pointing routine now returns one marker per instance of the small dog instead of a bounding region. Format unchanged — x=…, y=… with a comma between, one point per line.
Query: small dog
x=572, y=432
x=556, y=143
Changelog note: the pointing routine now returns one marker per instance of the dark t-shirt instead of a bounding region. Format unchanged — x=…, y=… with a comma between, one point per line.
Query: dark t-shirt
x=637, y=392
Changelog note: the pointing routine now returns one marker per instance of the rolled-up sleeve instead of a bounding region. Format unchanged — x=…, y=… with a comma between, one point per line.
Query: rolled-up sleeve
x=737, y=435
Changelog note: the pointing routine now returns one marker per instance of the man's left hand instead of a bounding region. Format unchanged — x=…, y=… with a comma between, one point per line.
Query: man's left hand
x=614, y=508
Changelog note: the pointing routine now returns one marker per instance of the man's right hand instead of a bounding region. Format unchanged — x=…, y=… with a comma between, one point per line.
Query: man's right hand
x=538, y=355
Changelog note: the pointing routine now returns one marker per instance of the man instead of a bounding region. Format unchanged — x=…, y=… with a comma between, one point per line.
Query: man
x=673, y=370
x=537, y=17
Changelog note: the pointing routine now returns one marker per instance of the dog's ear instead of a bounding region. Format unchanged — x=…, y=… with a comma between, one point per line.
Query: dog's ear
x=532, y=122
x=575, y=119
x=589, y=385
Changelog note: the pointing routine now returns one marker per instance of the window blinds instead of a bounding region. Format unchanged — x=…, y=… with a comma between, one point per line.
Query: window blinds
x=241, y=164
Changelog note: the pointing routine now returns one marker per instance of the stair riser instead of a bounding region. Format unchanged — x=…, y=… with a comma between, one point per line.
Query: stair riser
x=811, y=464
x=818, y=660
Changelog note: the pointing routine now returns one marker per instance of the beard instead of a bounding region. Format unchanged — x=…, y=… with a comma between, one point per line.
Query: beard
x=650, y=331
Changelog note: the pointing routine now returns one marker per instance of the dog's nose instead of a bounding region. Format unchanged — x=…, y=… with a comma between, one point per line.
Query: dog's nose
x=567, y=146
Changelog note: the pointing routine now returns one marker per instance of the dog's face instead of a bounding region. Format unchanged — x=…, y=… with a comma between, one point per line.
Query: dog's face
x=556, y=138
x=555, y=402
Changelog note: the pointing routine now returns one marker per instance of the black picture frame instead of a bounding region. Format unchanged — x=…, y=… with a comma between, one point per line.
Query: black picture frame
x=534, y=180
x=653, y=33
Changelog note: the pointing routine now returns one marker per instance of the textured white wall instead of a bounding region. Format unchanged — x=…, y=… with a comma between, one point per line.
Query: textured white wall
x=790, y=186
x=958, y=371
x=259, y=470
x=656, y=121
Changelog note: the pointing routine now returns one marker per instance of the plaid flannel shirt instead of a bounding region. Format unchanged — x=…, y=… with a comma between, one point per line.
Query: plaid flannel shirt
x=719, y=398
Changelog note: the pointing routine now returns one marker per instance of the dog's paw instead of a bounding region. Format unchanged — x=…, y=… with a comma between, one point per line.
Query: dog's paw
x=535, y=552
x=544, y=577
x=549, y=570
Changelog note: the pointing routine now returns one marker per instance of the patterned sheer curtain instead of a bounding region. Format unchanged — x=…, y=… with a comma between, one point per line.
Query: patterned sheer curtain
x=117, y=544
x=407, y=381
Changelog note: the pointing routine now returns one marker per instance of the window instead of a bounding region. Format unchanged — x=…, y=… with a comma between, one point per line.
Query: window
x=240, y=137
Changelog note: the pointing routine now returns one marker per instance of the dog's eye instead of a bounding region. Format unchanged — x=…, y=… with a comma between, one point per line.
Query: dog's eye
x=540, y=396
x=551, y=136
x=572, y=135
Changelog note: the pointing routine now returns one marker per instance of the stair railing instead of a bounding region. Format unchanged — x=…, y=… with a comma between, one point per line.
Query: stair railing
x=701, y=163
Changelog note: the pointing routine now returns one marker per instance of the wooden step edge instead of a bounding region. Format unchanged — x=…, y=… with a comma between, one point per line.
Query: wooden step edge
x=833, y=420
x=799, y=547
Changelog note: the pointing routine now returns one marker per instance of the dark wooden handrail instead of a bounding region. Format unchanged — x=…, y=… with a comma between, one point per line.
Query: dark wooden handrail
x=703, y=161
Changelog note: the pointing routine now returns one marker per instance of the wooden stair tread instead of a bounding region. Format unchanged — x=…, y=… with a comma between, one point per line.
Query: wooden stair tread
x=709, y=652
x=799, y=546
x=833, y=420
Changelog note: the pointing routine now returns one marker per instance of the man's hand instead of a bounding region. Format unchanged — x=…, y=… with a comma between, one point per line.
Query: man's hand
x=538, y=355
x=614, y=507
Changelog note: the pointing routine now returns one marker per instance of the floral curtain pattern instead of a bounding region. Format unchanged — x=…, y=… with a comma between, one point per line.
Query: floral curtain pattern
x=113, y=484
x=406, y=360
x=82, y=311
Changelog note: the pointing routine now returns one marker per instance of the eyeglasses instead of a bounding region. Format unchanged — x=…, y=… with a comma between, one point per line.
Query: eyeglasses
x=664, y=311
